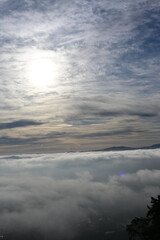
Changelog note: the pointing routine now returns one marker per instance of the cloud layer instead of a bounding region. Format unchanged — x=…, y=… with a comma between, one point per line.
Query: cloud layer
x=106, y=70
x=75, y=195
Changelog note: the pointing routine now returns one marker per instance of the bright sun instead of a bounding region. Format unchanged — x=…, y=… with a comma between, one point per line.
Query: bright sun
x=41, y=72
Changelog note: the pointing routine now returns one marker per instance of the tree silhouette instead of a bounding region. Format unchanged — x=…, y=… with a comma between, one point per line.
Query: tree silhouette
x=146, y=228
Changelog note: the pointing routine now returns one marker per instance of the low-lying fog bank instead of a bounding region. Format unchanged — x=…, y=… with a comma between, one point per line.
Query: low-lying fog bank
x=76, y=195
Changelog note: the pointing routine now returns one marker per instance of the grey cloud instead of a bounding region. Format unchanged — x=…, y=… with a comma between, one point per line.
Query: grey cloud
x=101, y=109
x=72, y=134
x=124, y=132
x=31, y=139
x=19, y=123
x=128, y=112
x=5, y=140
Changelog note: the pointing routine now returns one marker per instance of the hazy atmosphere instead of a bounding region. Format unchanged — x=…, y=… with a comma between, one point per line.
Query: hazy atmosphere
x=78, y=74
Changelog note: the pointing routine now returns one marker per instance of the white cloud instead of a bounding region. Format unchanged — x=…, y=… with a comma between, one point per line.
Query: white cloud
x=56, y=192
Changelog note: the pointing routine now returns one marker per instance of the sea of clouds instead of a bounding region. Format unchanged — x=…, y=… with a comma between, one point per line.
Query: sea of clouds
x=87, y=195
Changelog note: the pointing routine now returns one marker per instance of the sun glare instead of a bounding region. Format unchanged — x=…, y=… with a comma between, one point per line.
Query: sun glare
x=42, y=72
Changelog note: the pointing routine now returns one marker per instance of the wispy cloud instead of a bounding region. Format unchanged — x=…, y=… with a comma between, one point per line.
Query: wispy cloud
x=101, y=48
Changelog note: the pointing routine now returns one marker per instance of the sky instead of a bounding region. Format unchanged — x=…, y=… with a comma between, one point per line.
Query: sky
x=78, y=74
x=76, y=195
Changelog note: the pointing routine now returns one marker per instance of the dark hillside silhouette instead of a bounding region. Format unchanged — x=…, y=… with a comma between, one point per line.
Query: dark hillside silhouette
x=146, y=228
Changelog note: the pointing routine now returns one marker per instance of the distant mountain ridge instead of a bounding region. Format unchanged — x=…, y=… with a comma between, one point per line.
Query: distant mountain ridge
x=123, y=148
